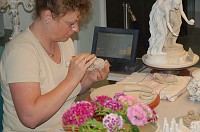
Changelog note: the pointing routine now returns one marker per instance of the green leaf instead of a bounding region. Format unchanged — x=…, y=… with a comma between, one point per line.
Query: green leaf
x=73, y=128
x=134, y=128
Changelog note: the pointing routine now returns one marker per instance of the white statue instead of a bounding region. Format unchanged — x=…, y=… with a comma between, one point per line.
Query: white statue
x=165, y=22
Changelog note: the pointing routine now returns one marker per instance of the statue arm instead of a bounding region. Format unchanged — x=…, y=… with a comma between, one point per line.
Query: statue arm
x=190, y=22
x=167, y=10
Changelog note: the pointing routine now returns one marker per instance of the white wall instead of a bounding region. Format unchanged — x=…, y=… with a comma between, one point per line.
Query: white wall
x=85, y=36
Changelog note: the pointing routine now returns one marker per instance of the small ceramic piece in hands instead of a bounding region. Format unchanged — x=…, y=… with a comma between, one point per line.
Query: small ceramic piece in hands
x=98, y=64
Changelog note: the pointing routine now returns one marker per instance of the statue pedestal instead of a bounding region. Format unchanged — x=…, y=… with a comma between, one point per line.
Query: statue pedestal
x=178, y=72
x=171, y=68
x=185, y=64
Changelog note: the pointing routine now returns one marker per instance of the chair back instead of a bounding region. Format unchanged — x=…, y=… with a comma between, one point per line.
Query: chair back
x=1, y=112
x=1, y=99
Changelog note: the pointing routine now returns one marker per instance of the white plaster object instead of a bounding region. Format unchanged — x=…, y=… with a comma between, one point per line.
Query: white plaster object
x=194, y=86
x=153, y=61
x=192, y=121
x=165, y=23
x=98, y=64
x=195, y=126
x=163, y=80
x=173, y=126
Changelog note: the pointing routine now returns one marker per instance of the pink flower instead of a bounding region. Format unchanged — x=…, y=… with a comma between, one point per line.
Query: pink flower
x=139, y=114
x=154, y=117
x=117, y=95
x=113, y=122
x=102, y=99
x=78, y=113
x=114, y=112
x=128, y=100
x=113, y=105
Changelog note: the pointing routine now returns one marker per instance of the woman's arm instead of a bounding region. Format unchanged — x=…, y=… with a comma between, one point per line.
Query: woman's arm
x=33, y=108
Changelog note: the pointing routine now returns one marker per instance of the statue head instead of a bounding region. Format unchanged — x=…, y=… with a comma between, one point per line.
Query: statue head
x=176, y=4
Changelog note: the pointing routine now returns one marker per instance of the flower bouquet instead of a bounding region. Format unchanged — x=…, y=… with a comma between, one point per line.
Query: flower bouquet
x=122, y=113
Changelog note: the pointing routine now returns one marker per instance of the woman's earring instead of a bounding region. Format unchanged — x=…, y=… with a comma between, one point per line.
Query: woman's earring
x=47, y=22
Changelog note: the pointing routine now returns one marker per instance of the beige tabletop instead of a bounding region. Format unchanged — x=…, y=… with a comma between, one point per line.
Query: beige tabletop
x=175, y=109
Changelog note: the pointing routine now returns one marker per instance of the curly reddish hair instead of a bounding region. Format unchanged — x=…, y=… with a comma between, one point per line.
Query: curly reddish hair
x=61, y=7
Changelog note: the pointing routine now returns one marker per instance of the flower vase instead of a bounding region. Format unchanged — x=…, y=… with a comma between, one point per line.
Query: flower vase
x=69, y=128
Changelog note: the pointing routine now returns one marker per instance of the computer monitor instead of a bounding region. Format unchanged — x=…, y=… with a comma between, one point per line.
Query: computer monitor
x=117, y=45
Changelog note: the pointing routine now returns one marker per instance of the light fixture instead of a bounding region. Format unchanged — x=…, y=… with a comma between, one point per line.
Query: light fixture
x=28, y=5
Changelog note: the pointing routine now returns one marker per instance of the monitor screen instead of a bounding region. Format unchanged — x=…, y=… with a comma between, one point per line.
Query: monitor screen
x=115, y=42
x=117, y=45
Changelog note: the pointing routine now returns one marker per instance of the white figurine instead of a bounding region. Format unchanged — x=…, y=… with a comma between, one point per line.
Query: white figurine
x=15, y=19
x=174, y=127
x=28, y=5
x=195, y=126
x=163, y=25
x=194, y=86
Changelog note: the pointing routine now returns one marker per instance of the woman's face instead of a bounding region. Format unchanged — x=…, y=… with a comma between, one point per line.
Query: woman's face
x=65, y=27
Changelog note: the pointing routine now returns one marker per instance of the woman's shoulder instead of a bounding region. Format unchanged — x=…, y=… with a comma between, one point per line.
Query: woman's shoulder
x=24, y=39
x=23, y=42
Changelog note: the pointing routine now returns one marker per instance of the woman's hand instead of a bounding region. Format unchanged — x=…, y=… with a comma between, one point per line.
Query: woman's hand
x=100, y=74
x=94, y=76
x=78, y=66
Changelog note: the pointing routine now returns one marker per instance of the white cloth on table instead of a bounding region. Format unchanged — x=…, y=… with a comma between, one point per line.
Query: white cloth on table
x=166, y=91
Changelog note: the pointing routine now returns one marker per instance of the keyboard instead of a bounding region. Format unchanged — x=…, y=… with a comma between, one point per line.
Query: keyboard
x=128, y=69
x=138, y=66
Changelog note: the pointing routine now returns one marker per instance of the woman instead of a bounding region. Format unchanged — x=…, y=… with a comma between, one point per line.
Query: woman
x=39, y=75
